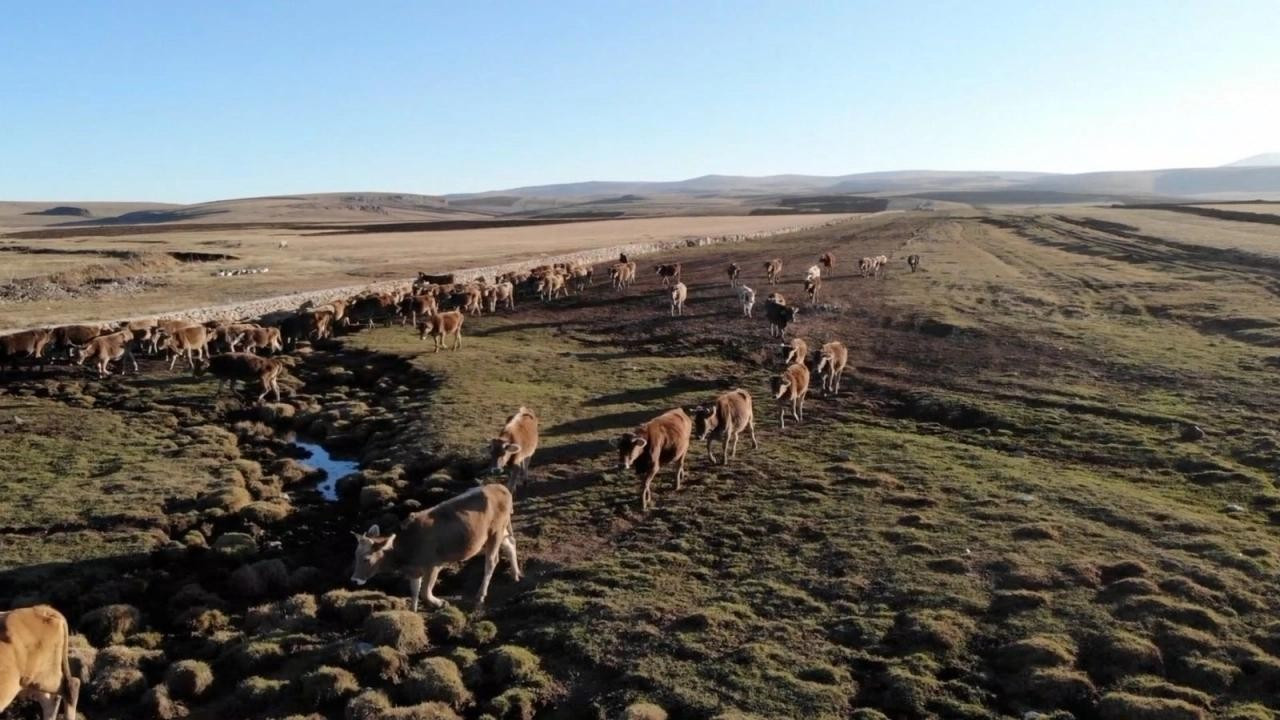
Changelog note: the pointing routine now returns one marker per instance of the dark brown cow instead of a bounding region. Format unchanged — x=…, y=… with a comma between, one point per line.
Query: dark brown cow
x=243, y=367
x=513, y=448
x=34, y=642
x=456, y=530
x=669, y=273
x=913, y=261
x=726, y=418
x=260, y=338
x=661, y=441
x=779, y=316
x=415, y=305
x=827, y=259
x=733, y=272
x=29, y=344
x=70, y=336
x=106, y=348
x=368, y=308
x=441, y=326
x=773, y=270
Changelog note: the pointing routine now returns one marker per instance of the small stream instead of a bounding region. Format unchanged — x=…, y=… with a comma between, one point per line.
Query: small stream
x=333, y=468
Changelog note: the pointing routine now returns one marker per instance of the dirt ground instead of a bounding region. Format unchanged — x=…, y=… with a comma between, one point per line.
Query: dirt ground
x=1003, y=511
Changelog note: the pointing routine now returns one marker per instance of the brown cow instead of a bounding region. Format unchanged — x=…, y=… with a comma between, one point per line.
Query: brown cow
x=367, y=308
x=260, y=338
x=913, y=261
x=811, y=287
x=827, y=260
x=726, y=418
x=795, y=351
x=831, y=362
x=791, y=387
x=68, y=337
x=733, y=272
x=26, y=344
x=773, y=270
x=779, y=317
x=415, y=305
x=190, y=341
x=866, y=266
x=456, y=530
x=472, y=299
x=318, y=324
x=144, y=332
x=551, y=285
x=105, y=348
x=243, y=367
x=583, y=276
x=678, y=295
x=504, y=293
x=669, y=273
x=513, y=448
x=661, y=441
x=441, y=326
x=34, y=643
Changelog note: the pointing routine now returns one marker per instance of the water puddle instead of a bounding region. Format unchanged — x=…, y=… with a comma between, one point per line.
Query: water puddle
x=333, y=468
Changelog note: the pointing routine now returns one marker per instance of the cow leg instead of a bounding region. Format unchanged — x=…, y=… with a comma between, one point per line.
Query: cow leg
x=800, y=406
x=128, y=355
x=275, y=388
x=429, y=591
x=646, y=492
x=680, y=471
x=711, y=453
x=726, y=446
x=838, y=376
x=172, y=360
x=49, y=703
x=457, y=339
x=490, y=564
x=782, y=416
x=415, y=589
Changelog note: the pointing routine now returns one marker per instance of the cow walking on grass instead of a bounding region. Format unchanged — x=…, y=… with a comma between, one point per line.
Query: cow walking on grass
x=725, y=419
x=34, y=644
x=513, y=448
x=663, y=440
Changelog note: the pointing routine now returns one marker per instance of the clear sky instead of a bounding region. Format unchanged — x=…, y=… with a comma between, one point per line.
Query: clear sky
x=186, y=101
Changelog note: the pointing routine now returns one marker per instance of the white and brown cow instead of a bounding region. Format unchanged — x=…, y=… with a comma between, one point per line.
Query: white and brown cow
x=513, y=448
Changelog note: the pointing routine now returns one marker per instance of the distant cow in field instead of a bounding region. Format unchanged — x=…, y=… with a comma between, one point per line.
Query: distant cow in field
x=773, y=270
x=811, y=287
x=913, y=262
x=190, y=342
x=669, y=273
x=552, y=285
x=502, y=293
x=813, y=272
x=582, y=275
x=34, y=643
x=733, y=272
x=790, y=388
x=243, y=367
x=725, y=419
x=827, y=260
x=456, y=530
x=866, y=266
x=318, y=324
x=259, y=338
x=679, y=294
x=427, y=279
x=106, y=348
x=795, y=351
x=663, y=440
x=513, y=448
x=831, y=362
x=779, y=316
x=368, y=308
x=441, y=326
x=622, y=274
x=29, y=344
x=747, y=297
x=165, y=329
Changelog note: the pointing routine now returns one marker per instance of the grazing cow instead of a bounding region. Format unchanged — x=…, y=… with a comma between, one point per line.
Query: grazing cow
x=813, y=272
x=913, y=261
x=879, y=263
x=441, y=326
x=260, y=338
x=661, y=441
x=726, y=418
x=243, y=367
x=678, y=295
x=795, y=351
x=105, y=348
x=865, y=266
x=669, y=273
x=26, y=344
x=811, y=287
x=367, y=308
x=190, y=341
x=456, y=530
x=34, y=642
x=831, y=361
x=773, y=270
x=779, y=317
x=827, y=260
x=748, y=298
x=513, y=448
x=791, y=387
x=733, y=271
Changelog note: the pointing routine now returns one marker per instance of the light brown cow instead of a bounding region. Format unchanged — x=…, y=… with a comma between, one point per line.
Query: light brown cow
x=669, y=273
x=678, y=295
x=441, y=326
x=827, y=260
x=726, y=418
x=189, y=341
x=472, y=299
x=243, y=367
x=622, y=274
x=317, y=324
x=661, y=441
x=26, y=344
x=503, y=293
x=106, y=348
x=791, y=387
x=733, y=272
x=260, y=339
x=831, y=362
x=583, y=275
x=34, y=643
x=866, y=266
x=456, y=530
x=773, y=270
x=551, y=285
x=796, y=351
x=230, y=333
x=415, y=305
x=144, y=332
x=811, y=287
x=513, y=448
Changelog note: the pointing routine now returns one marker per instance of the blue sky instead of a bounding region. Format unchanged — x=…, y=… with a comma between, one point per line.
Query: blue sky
x=198, y=101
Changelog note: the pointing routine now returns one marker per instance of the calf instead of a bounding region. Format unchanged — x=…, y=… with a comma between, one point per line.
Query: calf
x=105, y=348
x=913, y=262
x=795, y=351
x=831, y=361
x=773, y=270
x=583, y=276
x=34, y=642
x=441, y=326
x=669, y=273
x=733, y=272
x=678, y=295
x=243, y=367
x=661, y=441
x=189, y=341
x=811, y=287
x=143, y=332
x=513, y=448
x=791, y=387
x=229, y=335
x=779, y=317
x=827, y=260
x=260, y=338
x=165, y=329
x=454, y=531
x=472, y=299
x=26, y=344
x=318, y=324
x=748, y=298
x=726, y=418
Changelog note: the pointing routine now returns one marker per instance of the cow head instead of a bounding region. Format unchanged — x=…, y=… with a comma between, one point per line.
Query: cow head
x=781, y=385
x=630, y=446
x=371, y=550
x=824, y=362
x=705, y=420
x=502, y=454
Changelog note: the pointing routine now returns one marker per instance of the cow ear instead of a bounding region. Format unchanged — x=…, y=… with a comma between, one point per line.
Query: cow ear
x=391, y=540
x=641, y=442
x=512, y=447
x=373, y=531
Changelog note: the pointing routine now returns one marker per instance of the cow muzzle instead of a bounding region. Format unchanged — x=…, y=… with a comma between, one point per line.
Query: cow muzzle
x=358, y=581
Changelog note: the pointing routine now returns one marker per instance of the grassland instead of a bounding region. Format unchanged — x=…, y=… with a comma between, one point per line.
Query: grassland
x=999, y=514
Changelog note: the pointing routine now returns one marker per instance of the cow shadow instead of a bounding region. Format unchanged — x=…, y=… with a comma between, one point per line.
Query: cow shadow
x=612, y=421
x=570, y=453
x=645, y=395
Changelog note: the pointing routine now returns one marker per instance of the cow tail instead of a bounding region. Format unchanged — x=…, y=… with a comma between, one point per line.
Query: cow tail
x=70, y=685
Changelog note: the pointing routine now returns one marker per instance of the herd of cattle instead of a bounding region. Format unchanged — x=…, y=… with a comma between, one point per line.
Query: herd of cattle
x=33, y=640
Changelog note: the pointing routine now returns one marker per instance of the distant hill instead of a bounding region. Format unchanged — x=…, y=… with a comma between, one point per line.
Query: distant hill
x=1263, y=160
